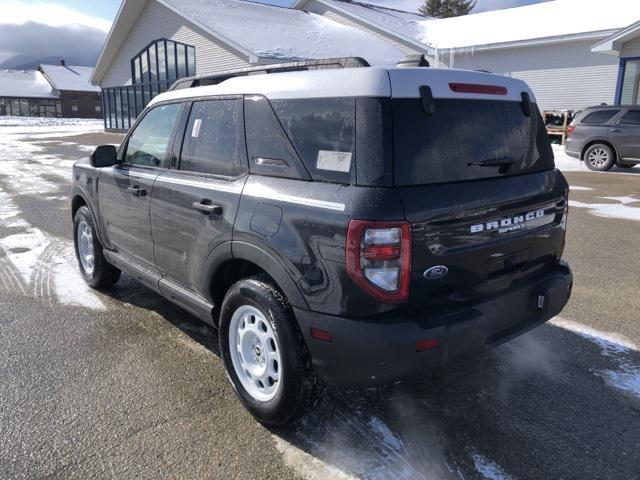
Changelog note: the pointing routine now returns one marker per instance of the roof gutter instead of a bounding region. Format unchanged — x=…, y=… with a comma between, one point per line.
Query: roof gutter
x=614, y=44
x=531, y=42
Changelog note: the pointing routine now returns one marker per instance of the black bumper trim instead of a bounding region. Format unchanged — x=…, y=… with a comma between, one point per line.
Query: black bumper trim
x=366, y=352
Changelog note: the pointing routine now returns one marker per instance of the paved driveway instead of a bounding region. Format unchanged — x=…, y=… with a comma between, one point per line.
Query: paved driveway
x=127, y=385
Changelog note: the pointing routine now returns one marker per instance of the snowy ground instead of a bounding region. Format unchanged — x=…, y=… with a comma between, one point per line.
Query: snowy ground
x=533, y=408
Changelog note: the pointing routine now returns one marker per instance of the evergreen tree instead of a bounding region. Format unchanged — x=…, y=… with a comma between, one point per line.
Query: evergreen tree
x=447, y=8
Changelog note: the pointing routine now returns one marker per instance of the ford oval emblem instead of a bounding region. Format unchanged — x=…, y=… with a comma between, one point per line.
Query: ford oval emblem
x=435, y=273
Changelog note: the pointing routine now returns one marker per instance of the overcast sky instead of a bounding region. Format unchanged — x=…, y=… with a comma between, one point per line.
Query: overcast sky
x=44, y=28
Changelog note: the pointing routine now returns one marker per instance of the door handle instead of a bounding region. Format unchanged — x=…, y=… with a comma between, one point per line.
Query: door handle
x=615, y=130
x=136, y=191
x=207, y=207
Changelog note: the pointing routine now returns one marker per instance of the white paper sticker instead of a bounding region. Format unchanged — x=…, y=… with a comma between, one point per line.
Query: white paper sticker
x=195, y=132
x=334, y=161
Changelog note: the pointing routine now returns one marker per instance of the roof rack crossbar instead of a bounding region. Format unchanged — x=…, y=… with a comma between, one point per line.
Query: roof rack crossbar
x=320, y=64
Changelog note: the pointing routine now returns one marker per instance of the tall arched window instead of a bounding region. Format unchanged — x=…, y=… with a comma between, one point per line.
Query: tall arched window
x=163, y=60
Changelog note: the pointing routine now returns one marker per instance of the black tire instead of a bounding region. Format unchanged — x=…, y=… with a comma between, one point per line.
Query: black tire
x=599, y=157
x=104, y=275
x=300, y=389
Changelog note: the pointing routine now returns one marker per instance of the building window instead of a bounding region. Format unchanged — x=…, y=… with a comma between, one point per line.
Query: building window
x=30, y=107
x=74, y=106
x=163, y=61
x=630, y=91
x=98, y=108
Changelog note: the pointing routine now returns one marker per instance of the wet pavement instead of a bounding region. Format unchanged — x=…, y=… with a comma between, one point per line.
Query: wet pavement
x=126, y=384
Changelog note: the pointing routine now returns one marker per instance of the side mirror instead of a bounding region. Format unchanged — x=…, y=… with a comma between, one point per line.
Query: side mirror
x=104, y=156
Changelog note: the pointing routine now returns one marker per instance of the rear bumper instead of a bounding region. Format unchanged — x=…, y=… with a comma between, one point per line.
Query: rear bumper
x=371, y=352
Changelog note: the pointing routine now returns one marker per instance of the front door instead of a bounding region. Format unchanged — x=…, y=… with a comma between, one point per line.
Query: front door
x=124, y=191
x=627, y=136
x=194, y=205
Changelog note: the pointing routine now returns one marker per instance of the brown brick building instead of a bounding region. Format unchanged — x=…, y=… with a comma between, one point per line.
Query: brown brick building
x=79, y=98
x=50, y=91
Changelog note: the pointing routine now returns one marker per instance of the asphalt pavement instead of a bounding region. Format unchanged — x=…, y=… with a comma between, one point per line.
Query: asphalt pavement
x=124, y=384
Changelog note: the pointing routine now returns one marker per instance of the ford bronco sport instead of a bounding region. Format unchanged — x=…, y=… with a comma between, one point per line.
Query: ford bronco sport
x=353, y=226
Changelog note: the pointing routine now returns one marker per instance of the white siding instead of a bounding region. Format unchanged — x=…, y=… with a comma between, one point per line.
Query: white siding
x=156, y=21
x=562, y=76
x=321, y=9
x=631, y=48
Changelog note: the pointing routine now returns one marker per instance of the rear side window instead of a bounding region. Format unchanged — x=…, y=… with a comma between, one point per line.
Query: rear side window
x=632, y=117
x=214, y=139
x=598, y=117
x=466, y=140
x=323, y=132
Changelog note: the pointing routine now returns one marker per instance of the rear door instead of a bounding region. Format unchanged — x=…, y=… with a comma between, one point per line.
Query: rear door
x=477, y=180
x=124, y=192
x=195, y=203
x=627, y=134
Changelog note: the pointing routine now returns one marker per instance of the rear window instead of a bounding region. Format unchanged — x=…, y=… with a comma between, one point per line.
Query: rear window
x=599, y=117
x=466, y=140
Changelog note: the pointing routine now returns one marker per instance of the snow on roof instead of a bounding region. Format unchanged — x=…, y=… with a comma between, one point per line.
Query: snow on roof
x=24, y=83
x=538, y=21
x=411, y=6
x=409, y=24
x=69, y=78
x=283, y=33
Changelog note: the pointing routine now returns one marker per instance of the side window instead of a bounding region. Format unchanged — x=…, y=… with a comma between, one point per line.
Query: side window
x=632, y=117
x=323, y=132
x=599, y=116
x=214, y=139
x=149, y=141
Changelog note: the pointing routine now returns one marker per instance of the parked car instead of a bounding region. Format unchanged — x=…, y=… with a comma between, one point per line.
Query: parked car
x=605, y=136
x=353, y=226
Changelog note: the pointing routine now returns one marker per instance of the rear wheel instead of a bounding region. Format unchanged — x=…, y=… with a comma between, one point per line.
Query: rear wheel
x=599, y=157
x=95, y=269
x=264, y=353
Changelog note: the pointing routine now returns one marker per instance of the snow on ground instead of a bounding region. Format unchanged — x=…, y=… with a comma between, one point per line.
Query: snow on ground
x=488, y=469
x=626, y=377
x=621, y=210
x=32, y=261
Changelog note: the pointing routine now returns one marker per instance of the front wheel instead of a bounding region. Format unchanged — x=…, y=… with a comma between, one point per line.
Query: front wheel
x=599, y=157
x=95, y=269
x=264, y=353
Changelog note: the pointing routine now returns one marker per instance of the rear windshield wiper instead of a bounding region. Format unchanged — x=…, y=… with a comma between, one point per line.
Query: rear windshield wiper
x=503, y=162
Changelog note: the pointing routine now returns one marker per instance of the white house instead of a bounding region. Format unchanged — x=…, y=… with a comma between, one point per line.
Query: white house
x=567, y=50
x=154, y=42
x=549, y=44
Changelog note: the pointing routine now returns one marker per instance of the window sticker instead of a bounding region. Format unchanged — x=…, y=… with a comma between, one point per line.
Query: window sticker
x=334, y=161
x=195, y=132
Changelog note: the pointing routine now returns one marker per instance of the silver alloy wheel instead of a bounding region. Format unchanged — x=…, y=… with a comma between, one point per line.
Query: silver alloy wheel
x=598, y=157
x=84, y=239
x=255, y=353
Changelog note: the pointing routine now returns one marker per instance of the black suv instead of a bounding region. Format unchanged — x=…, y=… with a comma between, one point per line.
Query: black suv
x=354, y=226
x=605, y=136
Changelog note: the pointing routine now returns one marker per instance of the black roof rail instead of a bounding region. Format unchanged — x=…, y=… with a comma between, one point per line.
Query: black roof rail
x=321, y=64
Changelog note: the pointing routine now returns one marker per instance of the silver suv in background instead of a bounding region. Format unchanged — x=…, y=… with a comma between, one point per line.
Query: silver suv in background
x=605, y=136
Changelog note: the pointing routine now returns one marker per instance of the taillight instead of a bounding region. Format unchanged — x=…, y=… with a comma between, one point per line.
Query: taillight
x=570, y=129
x=379, y=258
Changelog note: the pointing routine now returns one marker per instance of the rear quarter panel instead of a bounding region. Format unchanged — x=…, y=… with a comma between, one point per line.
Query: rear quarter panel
x=304, y=225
